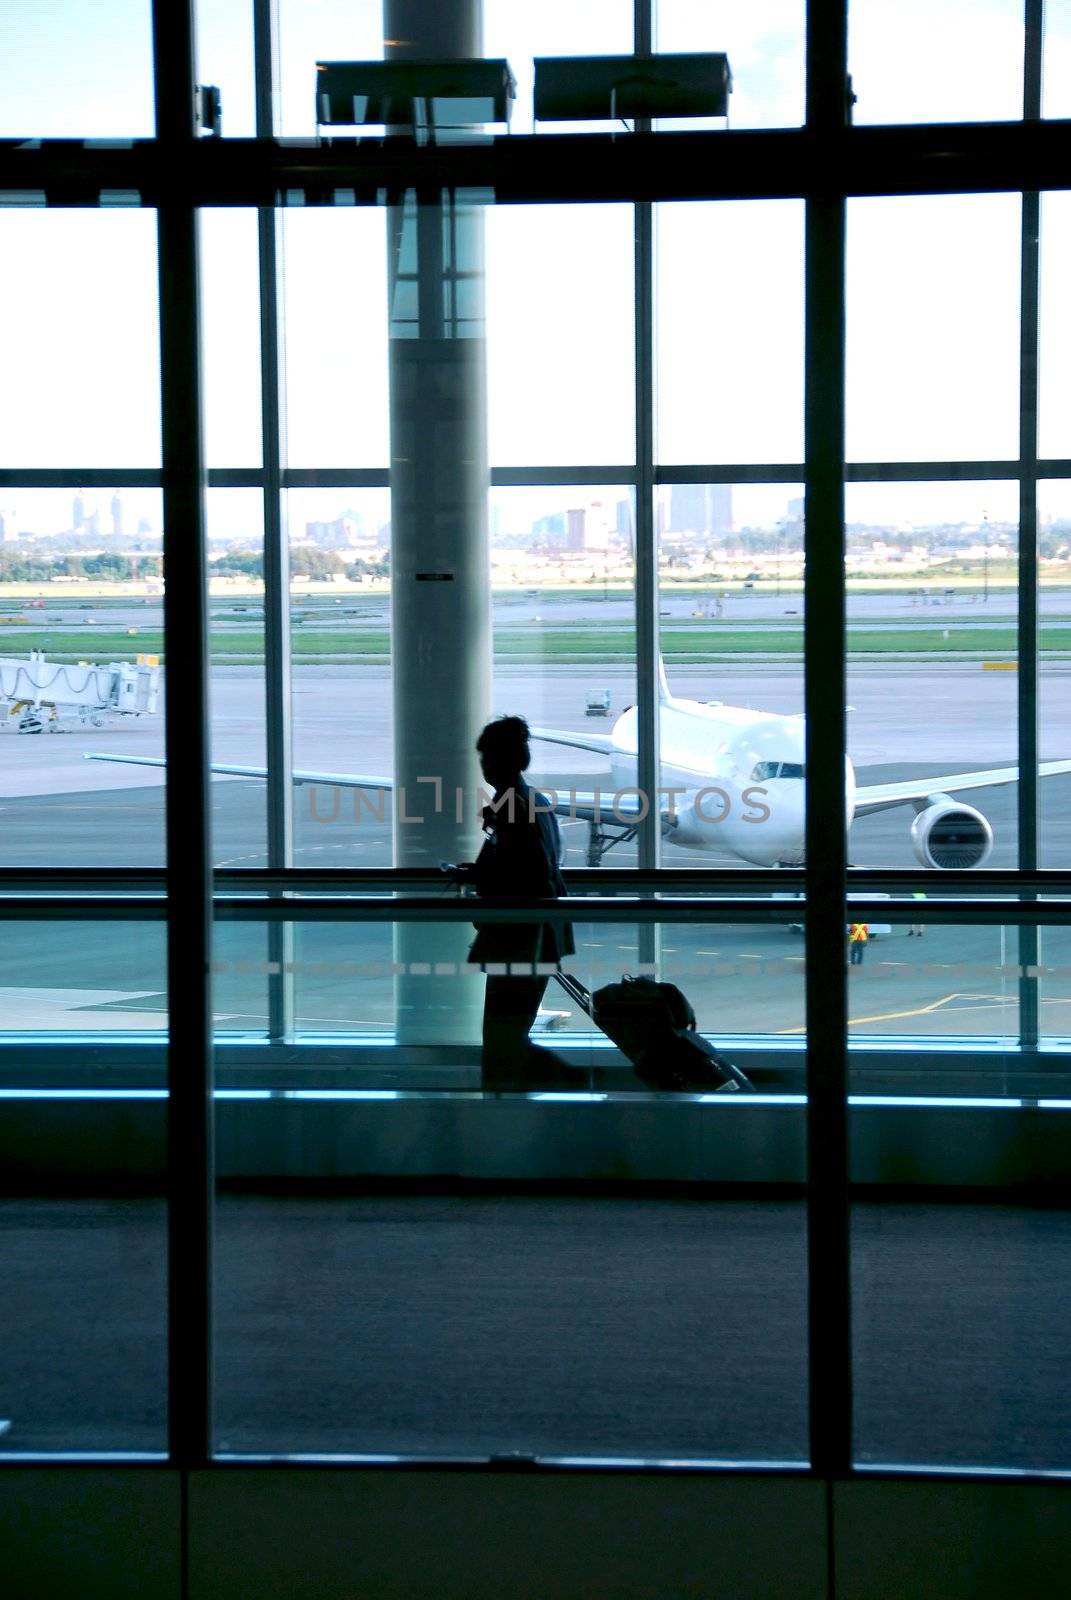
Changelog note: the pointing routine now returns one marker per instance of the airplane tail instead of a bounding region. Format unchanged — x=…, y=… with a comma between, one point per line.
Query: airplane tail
x=663, y=682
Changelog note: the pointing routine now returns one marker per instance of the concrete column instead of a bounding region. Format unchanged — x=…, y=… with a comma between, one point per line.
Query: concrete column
x=440, y=574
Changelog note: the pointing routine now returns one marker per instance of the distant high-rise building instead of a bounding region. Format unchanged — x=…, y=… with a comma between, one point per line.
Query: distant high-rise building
x=117, y=514
x=701, y=508
x=79, y=509
x=144, y=525
x=575, y=528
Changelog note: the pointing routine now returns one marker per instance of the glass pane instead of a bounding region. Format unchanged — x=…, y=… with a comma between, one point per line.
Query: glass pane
x=932, y=685
x=237, y=703
x=729, y=318
x=933, y=328
x=225, y=59
x=563, y=577
x=765, y=46
x=731, y=632
x=88, y=394
x=83, y=1222
x=906, y=59
x=560, y=334
x=72, y=71
x=957, y=1327
x=1054, y=341
x=335, y=306
x=230, y=300
x=1054, y=702
x=340, y=651
x=81, y=574
x=321, y=30
x=451, y=1280
x=521, y=33
x=1056, y=77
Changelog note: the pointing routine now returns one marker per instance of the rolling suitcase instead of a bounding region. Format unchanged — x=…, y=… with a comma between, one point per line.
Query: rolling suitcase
x=654, y=1025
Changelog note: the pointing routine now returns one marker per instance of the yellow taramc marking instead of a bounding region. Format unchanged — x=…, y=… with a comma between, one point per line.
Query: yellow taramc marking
x=913, y=1011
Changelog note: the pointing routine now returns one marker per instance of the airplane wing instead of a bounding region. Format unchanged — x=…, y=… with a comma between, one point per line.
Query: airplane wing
x=601, y=743
x=871, y=797
x=339, y=780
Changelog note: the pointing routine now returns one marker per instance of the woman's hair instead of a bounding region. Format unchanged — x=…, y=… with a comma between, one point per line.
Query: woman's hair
x=505, y=741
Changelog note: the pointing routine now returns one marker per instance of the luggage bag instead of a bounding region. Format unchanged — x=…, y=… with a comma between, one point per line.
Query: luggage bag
x=653, y=1024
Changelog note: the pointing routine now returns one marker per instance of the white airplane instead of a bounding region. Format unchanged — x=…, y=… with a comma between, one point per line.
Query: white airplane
x=732, y=782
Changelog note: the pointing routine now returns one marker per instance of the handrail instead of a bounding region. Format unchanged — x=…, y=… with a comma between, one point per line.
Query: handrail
x=143, y=906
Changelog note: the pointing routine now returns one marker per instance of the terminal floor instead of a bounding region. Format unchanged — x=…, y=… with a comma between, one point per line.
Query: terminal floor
x=471, y=1324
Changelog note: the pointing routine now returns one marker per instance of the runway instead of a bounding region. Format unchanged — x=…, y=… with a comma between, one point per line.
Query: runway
x=58, y=809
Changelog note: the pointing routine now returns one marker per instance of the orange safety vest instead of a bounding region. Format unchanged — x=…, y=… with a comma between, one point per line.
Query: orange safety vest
x=858, y=933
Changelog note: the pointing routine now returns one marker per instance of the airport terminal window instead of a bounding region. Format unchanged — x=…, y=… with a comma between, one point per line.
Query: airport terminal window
x=932, y=680
x=729, y=321
x=341, y=691
x=225, y=59
x=88, y=394
x=334, y=302
x=765, y=49
x=325, y=30
x=933, y=328
x=936, y=1013
x=1056, y=76
x=730, y=573
x=71, y=71
x=237, y=704
x=521, y=32
x=81, y=577
x=1054, y=712
x=563, y=574
x=230, y=294
x=906, y=60
x=559, y=335
x=1054, y=342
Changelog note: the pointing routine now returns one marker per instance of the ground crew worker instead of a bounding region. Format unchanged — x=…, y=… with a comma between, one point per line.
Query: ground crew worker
x=858, y=934
x=916, y=928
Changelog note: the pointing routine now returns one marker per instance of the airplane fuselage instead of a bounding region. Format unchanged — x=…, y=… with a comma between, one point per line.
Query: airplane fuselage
x=738, y=776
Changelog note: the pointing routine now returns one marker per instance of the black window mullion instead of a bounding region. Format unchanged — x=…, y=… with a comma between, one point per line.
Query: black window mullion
x=189, y=854
x=1028, y=636
x=829, y=1276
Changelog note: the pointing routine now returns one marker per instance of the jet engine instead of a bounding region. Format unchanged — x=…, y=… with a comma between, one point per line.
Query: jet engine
x=947, y=833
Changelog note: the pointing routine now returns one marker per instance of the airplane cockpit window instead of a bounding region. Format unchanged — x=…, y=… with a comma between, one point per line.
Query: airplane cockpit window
x=765, y=770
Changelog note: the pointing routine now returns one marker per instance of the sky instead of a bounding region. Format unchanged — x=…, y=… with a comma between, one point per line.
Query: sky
x=932, y=282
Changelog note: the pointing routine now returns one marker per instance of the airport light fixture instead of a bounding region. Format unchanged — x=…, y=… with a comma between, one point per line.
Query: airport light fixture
x=427, y=98
x=608, y=88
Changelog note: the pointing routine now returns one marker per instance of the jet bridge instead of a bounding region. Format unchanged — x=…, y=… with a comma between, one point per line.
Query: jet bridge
x=39, y=692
